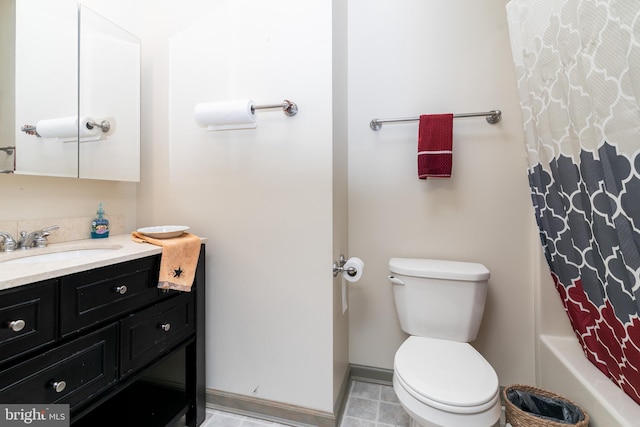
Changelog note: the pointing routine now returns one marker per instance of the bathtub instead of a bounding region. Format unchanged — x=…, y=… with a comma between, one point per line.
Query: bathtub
x=564, y=369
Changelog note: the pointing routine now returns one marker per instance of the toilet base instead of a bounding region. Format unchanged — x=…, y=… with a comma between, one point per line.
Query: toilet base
x=423, y=415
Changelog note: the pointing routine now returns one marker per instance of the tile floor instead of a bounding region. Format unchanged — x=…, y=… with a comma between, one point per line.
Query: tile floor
x=373, y=405
x=368, y=405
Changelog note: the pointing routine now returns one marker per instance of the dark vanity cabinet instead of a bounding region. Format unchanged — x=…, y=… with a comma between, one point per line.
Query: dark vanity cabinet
x=91, y=340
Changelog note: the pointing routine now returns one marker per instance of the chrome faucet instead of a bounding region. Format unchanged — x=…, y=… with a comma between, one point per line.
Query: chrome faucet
x=8, y=243
x=37, y=239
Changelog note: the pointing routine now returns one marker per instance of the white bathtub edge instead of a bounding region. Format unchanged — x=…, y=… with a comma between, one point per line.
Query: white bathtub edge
x=566, y=371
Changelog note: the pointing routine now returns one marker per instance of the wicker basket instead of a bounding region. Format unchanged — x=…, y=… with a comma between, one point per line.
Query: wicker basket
x=520, y=418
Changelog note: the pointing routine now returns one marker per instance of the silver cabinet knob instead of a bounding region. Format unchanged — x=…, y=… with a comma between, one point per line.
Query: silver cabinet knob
x=122, y=289
x=59, y=386
x=165, y=327
x=17, y=325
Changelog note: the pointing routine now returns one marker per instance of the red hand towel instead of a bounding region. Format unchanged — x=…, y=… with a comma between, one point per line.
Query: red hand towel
x=435, y=142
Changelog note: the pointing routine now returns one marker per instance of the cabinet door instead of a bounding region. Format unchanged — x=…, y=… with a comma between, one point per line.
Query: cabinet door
x=109, y=91
x=46, y=83
x=149, y=334
x=97, y=295
x=67, y=374
x=27, y=318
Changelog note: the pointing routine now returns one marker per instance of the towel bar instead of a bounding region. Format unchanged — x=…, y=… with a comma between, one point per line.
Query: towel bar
x=492, y=118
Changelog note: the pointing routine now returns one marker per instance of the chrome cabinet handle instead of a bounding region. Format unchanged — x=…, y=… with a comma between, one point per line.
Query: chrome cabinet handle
x=165, y=327
x=17, y=325
x=59, y=386
x=122, y=289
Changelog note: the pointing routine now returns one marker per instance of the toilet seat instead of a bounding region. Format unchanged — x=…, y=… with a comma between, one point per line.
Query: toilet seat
x=447, y=375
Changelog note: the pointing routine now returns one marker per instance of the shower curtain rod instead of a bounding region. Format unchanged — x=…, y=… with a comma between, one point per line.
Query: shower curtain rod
x=492, y=117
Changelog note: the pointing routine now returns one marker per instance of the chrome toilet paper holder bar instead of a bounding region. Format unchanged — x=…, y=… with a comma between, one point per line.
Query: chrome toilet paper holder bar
x=338, y=267
x=104, y=126
x=288, y=108
x=29, y=130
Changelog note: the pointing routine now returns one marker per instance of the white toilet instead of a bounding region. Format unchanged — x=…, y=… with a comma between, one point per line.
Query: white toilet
x=440, y=379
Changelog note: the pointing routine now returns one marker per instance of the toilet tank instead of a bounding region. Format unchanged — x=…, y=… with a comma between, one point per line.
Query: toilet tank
x=439, y=299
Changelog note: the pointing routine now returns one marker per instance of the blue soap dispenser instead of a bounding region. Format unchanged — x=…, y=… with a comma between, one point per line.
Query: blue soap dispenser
x=100, y=225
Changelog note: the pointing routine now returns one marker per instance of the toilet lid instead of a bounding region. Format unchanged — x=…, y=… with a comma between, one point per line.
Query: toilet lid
x=447, y=372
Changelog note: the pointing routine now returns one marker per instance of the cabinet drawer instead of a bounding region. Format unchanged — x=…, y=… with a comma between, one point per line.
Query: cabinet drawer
x=78, y=370
x=88, y=298
x=26, y=318
x=148, y=334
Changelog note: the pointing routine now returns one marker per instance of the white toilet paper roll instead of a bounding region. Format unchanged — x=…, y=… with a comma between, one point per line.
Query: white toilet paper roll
x=66, y=128
x=357, y=264
x=226, y=115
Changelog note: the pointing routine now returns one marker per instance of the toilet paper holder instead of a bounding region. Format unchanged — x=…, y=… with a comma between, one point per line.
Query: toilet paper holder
x=338, y=267
x=288, y=108
x=104, y=126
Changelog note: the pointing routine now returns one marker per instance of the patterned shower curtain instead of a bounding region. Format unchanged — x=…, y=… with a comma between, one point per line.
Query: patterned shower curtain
x=578, y=70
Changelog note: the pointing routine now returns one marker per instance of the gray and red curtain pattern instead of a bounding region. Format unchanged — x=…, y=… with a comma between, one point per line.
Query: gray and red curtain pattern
x=578, y=68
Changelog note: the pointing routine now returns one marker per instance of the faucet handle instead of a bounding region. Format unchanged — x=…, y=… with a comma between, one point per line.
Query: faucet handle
x=8, y=243
x=41, y=239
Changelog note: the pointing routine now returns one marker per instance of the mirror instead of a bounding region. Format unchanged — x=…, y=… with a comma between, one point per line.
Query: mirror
x=46, y=84
x=70, y=92
x=109, y=92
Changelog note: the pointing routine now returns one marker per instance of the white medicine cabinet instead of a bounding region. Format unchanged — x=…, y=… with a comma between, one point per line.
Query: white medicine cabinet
x=65, y=67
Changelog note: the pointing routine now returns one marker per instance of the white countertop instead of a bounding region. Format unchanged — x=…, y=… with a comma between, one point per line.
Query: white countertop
x=124, y=249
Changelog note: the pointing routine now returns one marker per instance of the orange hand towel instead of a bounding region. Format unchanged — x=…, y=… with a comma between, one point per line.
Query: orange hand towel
x=435, y=143
x=179, y=259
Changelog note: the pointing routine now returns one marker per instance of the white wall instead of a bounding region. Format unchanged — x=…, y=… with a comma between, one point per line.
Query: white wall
x=263, y=197
x=340, y=189
x=417, y=57
x=33, y=197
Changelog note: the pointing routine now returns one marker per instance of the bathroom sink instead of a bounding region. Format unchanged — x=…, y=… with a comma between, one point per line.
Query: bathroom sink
x=63, y=255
